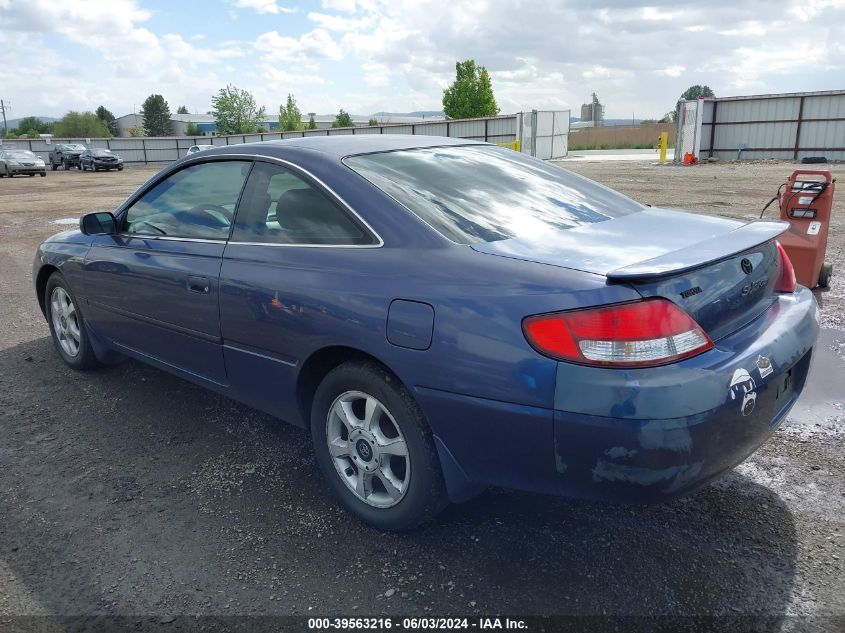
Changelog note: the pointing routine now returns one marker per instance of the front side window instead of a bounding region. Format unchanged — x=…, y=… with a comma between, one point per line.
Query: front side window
x=479, y=193
x=279, y=207
x=196, y=202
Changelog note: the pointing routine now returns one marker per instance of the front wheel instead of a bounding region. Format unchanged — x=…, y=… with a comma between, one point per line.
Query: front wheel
x=54, y=165
x=375, y=449
x=67, y=326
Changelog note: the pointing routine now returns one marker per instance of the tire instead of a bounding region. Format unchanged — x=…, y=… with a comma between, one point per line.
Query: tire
x=30, y=175
x=120, y=168
x=412, y=467
x=68, y=327
x=79, y=166
x=54, y=165
x=43, y=174
x=94, y=167
x=65, y=165
x=824, y=275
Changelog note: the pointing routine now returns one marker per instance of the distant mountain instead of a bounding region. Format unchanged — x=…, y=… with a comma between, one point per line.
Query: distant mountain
x=13, y=123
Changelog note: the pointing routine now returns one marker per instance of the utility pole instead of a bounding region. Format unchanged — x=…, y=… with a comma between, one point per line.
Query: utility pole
x=3, y=110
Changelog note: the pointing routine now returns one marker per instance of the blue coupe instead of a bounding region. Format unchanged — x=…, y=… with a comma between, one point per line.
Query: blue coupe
x=444, y=315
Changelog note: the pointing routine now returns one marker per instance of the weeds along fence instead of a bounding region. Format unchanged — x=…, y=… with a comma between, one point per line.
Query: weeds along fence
x=507, y=129
x=640, y=136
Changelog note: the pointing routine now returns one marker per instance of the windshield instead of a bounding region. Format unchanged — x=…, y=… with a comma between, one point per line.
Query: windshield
x=74, y=147
x=482, y=193
x=20, y=154
x=101, y=152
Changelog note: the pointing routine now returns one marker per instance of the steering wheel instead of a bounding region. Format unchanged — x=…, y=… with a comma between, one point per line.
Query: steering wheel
x=212, y=211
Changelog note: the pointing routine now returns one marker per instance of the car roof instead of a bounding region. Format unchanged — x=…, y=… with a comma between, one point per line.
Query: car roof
x=342, y=145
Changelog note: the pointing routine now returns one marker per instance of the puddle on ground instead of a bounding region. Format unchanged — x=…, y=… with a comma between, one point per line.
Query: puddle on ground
x=821, y=408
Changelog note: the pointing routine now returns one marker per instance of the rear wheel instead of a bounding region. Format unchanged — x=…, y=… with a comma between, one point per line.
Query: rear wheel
x=375, y=449
x=67, y=325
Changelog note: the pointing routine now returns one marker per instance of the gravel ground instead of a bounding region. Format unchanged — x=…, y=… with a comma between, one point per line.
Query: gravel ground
x=126, y=491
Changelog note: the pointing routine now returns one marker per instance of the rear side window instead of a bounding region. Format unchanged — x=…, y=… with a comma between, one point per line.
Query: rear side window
x=280, y=207
x=474, y=194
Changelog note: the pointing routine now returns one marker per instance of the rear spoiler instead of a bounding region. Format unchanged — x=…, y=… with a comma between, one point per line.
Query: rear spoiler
x=702, y=253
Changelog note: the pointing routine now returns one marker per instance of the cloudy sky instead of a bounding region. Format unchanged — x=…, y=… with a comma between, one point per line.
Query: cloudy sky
x=397, y=55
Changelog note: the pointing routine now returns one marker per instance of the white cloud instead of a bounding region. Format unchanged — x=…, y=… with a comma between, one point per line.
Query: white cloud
x=306, y=50
x=339, y=22
x=671, y=71
x=347, y=6
x=264, y=6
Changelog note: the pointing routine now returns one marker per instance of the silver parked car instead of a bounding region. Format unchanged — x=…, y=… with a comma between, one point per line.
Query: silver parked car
x=20, y=161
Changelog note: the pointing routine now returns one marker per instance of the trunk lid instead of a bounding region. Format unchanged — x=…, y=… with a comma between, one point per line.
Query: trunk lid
x=722, y=272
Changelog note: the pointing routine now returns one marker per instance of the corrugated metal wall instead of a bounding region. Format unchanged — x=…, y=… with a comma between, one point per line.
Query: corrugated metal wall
x=500, y=129
x=788, y=127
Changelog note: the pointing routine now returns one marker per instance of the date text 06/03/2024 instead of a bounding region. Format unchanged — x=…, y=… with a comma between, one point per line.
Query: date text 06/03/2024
x=414, y=624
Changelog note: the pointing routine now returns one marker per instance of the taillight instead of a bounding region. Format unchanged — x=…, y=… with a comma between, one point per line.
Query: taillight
x=786, y=281
x=638, y=334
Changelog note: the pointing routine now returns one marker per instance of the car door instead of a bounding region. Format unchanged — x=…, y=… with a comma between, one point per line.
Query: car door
x=152, y=288
x=283, y=282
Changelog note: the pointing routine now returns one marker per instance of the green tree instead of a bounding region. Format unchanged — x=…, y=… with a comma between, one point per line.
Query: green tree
x=192, y=129
x=80, y=125
x=669, y=117
x=136, y=132
x=182, y=110
x=471, y=94
x=156, y=114
x=29, y=123
x=290, y=118
x=33, y=134
x=372, y=122
x=342, y=119
x=312, y=124
x=696, y=91
x=108, y=118
x=235, y=111
x=12, y=133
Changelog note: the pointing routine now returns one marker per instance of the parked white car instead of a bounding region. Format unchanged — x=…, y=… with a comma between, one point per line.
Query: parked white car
x=193, y=149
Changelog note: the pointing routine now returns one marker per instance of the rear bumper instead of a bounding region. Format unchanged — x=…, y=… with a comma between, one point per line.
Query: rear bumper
x=635, y=435
x=650, y=434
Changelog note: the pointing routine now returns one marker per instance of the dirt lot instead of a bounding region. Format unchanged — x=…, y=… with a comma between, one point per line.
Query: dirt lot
x=126, y=491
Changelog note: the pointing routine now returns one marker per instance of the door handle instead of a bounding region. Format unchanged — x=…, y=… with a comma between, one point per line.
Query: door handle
x=198, y=284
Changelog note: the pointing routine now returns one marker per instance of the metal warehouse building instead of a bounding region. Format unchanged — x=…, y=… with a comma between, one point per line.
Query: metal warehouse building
x=788, y=126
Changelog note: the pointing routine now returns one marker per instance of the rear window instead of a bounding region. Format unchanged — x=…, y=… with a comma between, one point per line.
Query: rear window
x=482, y=193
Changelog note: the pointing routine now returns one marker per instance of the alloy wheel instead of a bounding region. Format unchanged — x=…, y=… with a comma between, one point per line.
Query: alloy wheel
x=368, y=450
x=65, y=321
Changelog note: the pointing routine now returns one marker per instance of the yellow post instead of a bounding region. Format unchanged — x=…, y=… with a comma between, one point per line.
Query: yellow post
x=662, y=145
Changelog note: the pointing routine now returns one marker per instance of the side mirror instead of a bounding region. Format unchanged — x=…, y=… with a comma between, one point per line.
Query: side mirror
x=98, y=223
